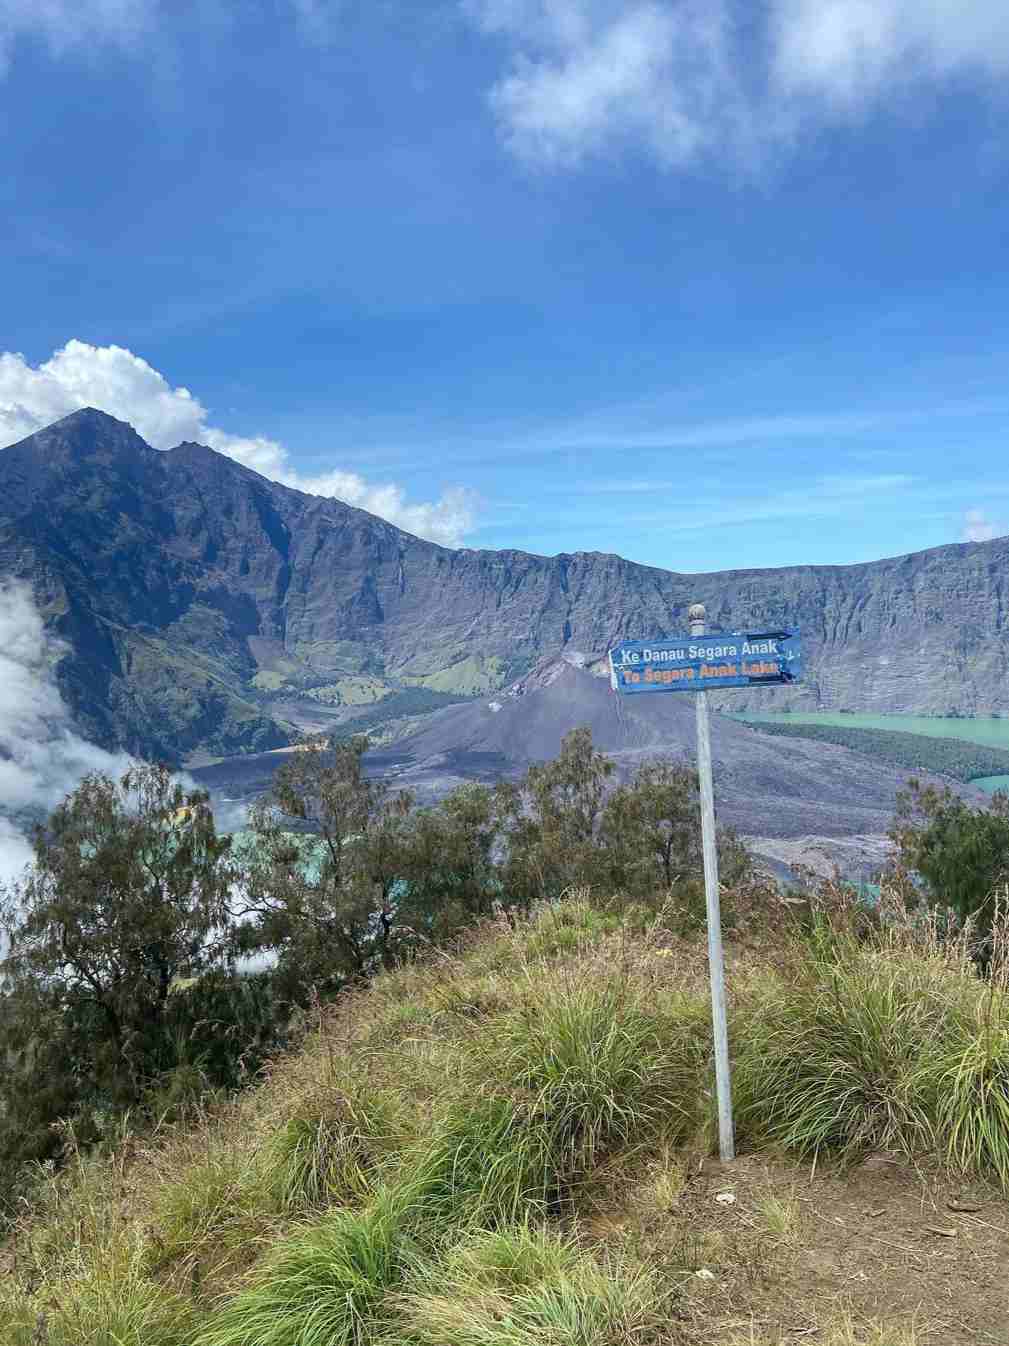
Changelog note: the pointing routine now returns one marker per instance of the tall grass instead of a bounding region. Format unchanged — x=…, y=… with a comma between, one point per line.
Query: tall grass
x=322, y=1286
x=397, y=1179
x=600, y=1061
x=112, y=1305
x=489, y=1160
x=523, y=1287
x=885, y=1046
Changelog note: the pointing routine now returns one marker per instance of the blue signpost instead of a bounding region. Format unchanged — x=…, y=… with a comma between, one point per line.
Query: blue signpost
x=692, y=664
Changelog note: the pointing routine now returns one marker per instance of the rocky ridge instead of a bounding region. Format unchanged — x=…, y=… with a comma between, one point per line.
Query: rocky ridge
x=199, y=602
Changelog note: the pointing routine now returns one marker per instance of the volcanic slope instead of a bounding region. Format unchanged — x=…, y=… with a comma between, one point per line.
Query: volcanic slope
x=764, y=786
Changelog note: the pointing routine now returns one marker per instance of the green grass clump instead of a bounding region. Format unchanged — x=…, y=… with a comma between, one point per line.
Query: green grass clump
x=327, y=1151
x=204, y=1219
x=968, y=1080
x=565, y=927
x=876, y=1048
x=330, y=1149
x=576, y=1068
x=111, y=1306
x=322, y=1286
x=601, y=1063
x=522, y=1287
x=490, y=1160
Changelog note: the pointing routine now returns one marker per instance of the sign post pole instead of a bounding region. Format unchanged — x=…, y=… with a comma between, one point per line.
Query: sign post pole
x=685, y=664
x=726, y=1138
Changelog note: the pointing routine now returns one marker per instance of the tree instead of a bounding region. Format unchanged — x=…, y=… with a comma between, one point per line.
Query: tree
x=651, y=832
x=322, y=874
x=128, y=894
x=959, y=852
x=550, y=820
x=447, y=859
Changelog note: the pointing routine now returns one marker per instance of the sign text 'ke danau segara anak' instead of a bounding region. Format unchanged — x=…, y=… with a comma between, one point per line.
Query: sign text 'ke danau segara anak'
x=691, y=663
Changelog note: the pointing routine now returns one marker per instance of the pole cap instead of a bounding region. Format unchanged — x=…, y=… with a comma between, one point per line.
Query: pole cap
x=696, y=613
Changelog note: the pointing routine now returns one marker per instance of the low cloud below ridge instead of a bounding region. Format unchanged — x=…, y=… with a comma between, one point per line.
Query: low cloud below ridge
x=42, y=757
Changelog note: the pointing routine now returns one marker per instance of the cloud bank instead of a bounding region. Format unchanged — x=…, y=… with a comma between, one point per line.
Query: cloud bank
x=122, y=384
x=689, y=79
x=42, y=757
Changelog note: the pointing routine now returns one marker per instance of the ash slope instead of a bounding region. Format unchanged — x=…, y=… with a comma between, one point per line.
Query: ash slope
x=764, y=786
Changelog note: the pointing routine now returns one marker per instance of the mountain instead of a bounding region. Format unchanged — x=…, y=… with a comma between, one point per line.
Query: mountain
x=209, y=610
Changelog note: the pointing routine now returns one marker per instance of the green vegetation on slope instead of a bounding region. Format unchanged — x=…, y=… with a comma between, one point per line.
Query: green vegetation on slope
x=513, y=1038
x=955, y=757
x=409, y=702
x=120, y=995
x=992, y=730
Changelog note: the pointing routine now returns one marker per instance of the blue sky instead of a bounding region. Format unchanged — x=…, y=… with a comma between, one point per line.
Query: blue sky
x=707, y=285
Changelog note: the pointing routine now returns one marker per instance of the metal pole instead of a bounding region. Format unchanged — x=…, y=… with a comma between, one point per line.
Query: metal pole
x=726, y=1138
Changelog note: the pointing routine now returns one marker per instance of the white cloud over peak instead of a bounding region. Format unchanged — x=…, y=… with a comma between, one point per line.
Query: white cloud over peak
x=122, y=384
x=685, y=79
x=978, y=527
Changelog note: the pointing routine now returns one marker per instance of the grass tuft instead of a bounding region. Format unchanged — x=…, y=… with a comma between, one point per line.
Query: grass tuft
x=598, y=1066
x=322, y=1286
x=523, y=1287
x=842, y=1059
x=111, y=1306
x=329, y=1150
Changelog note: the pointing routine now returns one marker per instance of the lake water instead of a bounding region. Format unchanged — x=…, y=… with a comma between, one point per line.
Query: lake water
x=991, y=783
x=991, y=732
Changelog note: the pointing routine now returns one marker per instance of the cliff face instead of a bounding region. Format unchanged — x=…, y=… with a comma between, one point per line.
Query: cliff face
x=193, y=593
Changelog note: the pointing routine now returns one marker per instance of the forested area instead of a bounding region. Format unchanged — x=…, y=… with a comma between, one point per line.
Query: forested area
x=954, y=757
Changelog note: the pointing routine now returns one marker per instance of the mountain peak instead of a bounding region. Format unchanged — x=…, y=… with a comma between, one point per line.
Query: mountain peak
x=84, y=433
x=89, y=416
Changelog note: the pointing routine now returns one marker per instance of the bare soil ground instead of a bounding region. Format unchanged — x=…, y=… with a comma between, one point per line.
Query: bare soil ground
x=771, y=1253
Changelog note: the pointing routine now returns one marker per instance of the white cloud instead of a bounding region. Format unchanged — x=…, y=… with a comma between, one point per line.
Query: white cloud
x=701, y=78
x=122, y=384
x=585, y=77
x=66, y=25
x=978, y=527
x=850, y=51
x=42, y=757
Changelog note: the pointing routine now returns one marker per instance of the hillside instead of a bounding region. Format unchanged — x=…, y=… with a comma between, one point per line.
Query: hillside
x=511, y=1146
x=208, y=610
